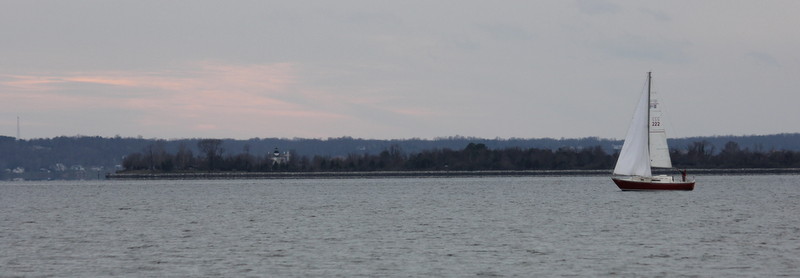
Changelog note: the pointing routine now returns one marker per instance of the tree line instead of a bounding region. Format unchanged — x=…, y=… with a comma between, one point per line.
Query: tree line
x=702, y=154
x=88, y=151
x=475, y=156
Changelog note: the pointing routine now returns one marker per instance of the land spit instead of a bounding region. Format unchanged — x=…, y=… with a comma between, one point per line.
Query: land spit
x=420, y=174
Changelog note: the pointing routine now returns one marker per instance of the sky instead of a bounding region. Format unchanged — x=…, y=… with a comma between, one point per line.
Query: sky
x=395, y=69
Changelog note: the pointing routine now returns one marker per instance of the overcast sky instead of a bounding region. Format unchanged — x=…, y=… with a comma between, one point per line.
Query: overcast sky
x=395, y=69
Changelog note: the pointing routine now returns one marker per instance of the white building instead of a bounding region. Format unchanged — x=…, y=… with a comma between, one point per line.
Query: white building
x=279, y=157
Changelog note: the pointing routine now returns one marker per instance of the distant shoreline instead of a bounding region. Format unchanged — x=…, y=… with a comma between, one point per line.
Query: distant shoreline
x=423, y=174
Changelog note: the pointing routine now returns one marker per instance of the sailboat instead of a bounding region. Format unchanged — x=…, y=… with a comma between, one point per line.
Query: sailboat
x=645, y=148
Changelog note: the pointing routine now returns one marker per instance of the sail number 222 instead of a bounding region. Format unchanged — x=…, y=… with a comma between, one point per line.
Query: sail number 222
x=655, y=121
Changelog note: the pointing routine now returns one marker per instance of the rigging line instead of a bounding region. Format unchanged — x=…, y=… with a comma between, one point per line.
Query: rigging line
x=644, y=87
x=633, y=113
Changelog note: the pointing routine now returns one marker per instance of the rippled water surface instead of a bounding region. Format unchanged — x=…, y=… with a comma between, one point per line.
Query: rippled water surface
x=527, y=226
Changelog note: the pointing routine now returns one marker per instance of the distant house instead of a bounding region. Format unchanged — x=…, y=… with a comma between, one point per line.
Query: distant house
x=279, y=157
x=59, y=167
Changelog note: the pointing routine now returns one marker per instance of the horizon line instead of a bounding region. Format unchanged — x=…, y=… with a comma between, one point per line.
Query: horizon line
x=392, y=139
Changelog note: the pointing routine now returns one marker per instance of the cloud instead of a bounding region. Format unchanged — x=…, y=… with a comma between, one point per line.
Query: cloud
x=208, y=98
x=382, y=69
x=656, y=14
x=646, y=49
x=596, y=7
x=28, y=82
x=762, y=58
x=506, y=32
x=203, y=96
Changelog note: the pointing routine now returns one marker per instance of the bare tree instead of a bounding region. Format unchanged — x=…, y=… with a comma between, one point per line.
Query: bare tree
x=213, y=150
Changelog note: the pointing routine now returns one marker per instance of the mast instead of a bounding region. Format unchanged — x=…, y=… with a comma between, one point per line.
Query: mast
x=649, y=104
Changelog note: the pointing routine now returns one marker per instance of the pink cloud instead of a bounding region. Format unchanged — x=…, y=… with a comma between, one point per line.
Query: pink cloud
x=202, y=97
x=28, y=82
x=207, y=99
x=100, y=80
x=414, y=112
x=212, y=85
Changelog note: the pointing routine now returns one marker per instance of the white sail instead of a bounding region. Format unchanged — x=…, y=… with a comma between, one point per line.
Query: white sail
x=659, y=151
x=634, y=158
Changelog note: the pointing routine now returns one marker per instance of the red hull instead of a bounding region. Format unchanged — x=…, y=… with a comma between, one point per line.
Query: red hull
x=627, y=185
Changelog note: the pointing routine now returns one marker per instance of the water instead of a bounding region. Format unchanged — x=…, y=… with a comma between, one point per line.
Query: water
x=487, y=227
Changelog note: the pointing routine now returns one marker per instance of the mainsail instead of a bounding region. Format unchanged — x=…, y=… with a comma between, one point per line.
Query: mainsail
x=659, y=151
